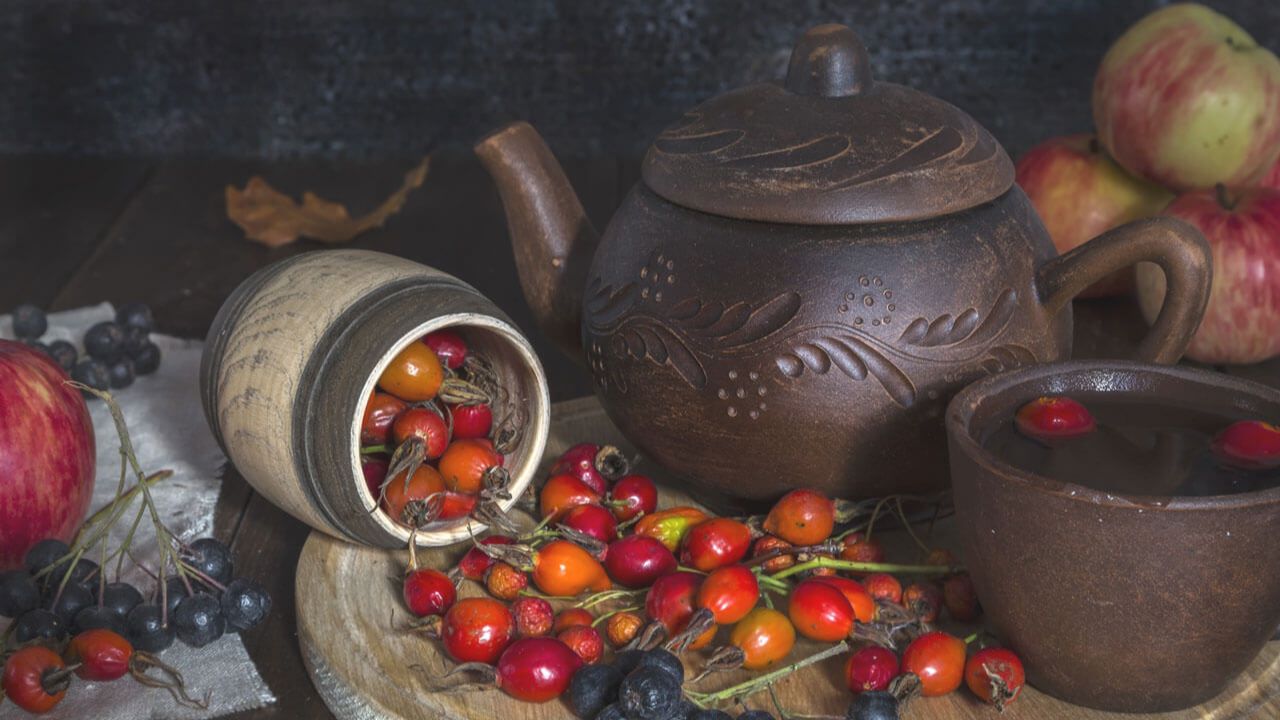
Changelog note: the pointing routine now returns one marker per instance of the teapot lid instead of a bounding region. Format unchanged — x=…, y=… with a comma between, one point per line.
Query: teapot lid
x=827, y=146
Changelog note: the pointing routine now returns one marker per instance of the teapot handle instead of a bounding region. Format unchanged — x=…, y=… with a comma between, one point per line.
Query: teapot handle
x=1180, y=251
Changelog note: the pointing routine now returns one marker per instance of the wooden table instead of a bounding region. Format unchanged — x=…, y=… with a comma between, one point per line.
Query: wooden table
x=79, y=231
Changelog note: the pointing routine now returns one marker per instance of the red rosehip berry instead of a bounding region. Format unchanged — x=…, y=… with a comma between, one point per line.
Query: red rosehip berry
x=585, y=641
x=428, y=592
x=959, y=597
x=883, y=587
x=471, y=421
x=448, y=346
x=1249, y=445
x=938, y=660
x=534, y=616
x=924, y=600
x=995, y=675
x=870, y=668
x=1049, y=419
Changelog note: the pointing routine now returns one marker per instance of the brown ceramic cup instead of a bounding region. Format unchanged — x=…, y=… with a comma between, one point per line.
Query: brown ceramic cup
x=1114, y=602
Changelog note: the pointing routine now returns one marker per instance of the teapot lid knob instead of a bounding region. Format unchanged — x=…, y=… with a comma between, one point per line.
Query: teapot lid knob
x=829, y=61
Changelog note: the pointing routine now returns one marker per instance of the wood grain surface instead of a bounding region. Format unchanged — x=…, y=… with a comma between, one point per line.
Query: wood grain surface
x=366, y=664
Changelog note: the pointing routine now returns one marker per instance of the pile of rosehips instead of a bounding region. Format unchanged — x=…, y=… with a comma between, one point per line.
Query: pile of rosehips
x=429, y=445
x=67, y=619
x=659, y=583
x=115, y=352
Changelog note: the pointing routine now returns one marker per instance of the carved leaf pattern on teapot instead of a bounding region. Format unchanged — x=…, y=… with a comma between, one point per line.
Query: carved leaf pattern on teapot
x=641, y=320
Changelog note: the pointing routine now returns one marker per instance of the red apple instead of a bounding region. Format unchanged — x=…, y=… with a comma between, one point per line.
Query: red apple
x=1187, y=99
x=1081, y=193
x=46, y=453
x=1242, y=322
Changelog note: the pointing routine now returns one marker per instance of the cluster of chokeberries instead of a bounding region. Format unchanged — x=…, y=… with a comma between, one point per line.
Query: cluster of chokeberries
x=115, y=352
x=68, y=620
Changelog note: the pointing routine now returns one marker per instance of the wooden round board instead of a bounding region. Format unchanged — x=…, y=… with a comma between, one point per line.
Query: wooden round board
x=367, y=665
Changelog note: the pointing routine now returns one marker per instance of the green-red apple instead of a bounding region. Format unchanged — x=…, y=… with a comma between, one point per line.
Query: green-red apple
x=1242, y=322
x=1081, y=193
x=1187, y=99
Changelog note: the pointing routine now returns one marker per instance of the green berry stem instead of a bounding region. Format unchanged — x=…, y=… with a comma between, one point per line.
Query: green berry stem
x=759, y=683
x=605, y=596
x=867, y=567
x=373, y=449
x=769, y=582
x=165, y=539
x=907, y=524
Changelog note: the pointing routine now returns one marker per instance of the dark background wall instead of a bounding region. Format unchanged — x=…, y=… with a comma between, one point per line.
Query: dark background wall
x=394, y=77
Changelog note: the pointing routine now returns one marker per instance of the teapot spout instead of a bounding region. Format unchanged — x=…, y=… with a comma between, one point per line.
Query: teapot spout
x=552, y=238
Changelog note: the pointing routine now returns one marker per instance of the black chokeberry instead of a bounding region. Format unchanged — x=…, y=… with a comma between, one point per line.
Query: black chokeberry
x=664, y=661
x=685, y=710
x=873, y=705
x=18, y=593
x=145, y=631
x=29, y=322
x=593, y=687
x=104, y=341
x=649, y=693
x=38, y=347
x=45, y=553
x=612, y=712
x=120, y=598
x=626, y=661
x=85, y=572
x=710, y=714
x=134, y=339
x=120, y=373
x=92, y=373
x=147, y=359
x=38, y=623
x=245, y=604
x=135, y=315
x=198, y=620
x=98, y=617
x=756, y=715
x=70, y=601
x=64, y=353
x=175, y=590
x=211, y=557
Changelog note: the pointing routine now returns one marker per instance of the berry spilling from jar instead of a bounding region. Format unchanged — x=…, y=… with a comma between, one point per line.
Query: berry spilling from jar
x=435, y=432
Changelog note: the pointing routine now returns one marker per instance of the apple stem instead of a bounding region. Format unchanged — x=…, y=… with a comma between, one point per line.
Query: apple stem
x=1223, y=199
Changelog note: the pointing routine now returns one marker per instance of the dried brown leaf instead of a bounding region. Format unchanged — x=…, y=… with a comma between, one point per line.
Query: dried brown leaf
x=272, y=218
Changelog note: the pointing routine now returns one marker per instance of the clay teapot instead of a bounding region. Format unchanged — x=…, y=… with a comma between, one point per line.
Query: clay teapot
x=807, y=272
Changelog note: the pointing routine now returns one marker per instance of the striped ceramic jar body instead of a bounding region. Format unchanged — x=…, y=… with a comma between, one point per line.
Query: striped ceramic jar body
x=295, y=352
